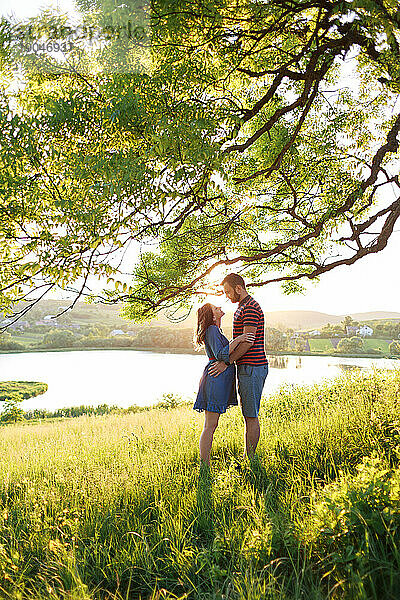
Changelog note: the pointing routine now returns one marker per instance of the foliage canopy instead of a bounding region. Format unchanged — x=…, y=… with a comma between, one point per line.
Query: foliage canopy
x=241, y=145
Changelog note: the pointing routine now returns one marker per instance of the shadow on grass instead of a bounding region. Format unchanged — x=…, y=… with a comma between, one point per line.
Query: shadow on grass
x=257, y=475
x=204, y=527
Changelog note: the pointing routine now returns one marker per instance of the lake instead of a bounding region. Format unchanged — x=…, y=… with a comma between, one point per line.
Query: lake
x=125, y=377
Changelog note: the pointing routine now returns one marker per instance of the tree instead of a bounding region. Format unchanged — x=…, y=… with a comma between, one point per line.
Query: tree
x=11, y=395
x=388, y=329
x=11, y=411
x=300, y=344
x=350, y=345
x=98, y=330
x=242, y=147
x=275, y=340
x=394, y=348
x=59, y=338
x=329, y=329
x=348, y=322
x=7, y=343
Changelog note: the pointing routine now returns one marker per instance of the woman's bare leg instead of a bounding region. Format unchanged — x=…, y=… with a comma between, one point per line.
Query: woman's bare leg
x=206, y=438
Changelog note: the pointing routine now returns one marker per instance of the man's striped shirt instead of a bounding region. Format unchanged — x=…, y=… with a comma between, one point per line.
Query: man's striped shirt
x=249, y=312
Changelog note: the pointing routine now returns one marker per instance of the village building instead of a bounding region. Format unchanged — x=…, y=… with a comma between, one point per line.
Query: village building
x=365, y=330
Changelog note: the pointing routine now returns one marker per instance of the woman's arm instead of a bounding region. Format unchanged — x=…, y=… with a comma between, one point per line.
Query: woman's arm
x=220, y=350
x=244, y=345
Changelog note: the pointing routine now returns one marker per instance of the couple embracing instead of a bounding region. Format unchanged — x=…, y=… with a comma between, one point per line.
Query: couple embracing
x=217, y=390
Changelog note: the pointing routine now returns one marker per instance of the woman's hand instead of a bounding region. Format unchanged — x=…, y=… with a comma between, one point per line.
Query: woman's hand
x=247, y=337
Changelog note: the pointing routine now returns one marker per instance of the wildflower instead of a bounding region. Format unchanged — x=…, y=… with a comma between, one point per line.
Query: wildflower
x=55, y=546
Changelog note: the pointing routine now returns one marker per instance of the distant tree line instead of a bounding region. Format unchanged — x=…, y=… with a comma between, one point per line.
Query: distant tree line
x=7, y=343
x=98, y=337
x=277, y=339
x=78, y=411
x=167, y=402
x=386, y=329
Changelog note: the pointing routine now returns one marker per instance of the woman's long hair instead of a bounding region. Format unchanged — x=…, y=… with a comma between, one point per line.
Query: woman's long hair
x=205, y=318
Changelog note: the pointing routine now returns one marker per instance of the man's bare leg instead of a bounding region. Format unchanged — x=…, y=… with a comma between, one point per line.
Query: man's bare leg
x=206, y=438
x=251, y=435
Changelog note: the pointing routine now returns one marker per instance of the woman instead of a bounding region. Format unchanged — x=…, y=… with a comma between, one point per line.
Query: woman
x=215, y=394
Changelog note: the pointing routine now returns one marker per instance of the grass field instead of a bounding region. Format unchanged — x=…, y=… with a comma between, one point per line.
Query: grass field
x=28, y=338
x=325, y=345
x=320, y=345
x=116, y=507
x=376, y=345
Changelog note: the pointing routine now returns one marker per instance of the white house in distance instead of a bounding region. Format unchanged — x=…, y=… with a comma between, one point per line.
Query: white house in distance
x=117, y=332
x=50, y=320
x=365, y=330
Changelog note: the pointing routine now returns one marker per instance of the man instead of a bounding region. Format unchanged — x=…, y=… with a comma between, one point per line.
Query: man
x=251, y=361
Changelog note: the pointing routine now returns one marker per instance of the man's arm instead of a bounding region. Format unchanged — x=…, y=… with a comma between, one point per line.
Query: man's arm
x=240, y=350
x=219, y=366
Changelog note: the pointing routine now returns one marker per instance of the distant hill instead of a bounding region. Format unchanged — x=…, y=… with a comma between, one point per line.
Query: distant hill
x=376, y=315
x=304, y=319
x=300, y=319
x=295, y=319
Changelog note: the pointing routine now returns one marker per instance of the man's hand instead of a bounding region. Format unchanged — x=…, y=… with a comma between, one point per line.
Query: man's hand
x=216, y=368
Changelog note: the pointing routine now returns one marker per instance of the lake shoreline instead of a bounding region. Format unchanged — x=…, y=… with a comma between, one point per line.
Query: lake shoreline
x=199, y=353
x=144, y=377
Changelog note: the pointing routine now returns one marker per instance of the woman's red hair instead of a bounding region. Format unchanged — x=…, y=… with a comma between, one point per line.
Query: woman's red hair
x=205, y=318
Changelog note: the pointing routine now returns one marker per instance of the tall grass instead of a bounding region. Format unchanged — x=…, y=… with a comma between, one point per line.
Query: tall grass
x=116, y=506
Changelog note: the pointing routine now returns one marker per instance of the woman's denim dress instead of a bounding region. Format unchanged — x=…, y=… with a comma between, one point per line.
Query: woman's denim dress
x=216, y=394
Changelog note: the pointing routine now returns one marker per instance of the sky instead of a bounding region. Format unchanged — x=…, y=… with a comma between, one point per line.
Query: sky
x=30, y=8
x=371, y=284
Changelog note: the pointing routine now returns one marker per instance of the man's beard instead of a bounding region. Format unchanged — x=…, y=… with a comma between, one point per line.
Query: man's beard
x=236, y=297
